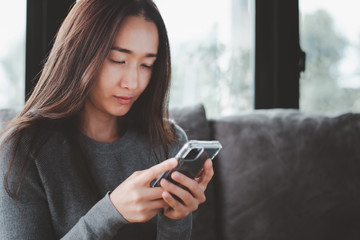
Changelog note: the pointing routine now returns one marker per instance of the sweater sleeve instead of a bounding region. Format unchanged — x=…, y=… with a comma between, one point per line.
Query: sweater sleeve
x=174, y=229
x=28, y=216
x=102, y=221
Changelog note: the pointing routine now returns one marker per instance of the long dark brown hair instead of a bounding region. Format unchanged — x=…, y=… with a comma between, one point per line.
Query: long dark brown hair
x=81, y=46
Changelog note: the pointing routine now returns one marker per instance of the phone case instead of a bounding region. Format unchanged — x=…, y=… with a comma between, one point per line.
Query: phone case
x=191, y=158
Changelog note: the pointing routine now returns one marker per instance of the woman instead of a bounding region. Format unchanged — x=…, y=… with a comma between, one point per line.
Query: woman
x=78, y=160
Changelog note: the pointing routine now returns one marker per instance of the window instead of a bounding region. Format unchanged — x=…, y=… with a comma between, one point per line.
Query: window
x=330, y=36
x=212, y=50
x=12, y=53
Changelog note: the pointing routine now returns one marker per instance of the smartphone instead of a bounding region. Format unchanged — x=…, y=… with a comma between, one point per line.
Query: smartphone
x=191, y=159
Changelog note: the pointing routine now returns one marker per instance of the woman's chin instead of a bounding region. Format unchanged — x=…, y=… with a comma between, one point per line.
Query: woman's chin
x=120, y=112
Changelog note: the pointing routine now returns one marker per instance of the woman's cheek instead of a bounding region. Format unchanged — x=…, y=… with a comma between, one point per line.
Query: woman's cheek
x=145, y=80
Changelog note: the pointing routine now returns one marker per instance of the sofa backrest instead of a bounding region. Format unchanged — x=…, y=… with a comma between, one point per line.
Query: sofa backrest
x=5, y=116
x=283, y=174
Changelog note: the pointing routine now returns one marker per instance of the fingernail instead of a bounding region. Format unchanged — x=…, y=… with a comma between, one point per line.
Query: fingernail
x=172, y=161
x=164, y=182
x=176, y=175
x=166, y=194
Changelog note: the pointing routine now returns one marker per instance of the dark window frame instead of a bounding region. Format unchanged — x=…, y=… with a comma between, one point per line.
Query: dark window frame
x=43, y=20
x=278, y=56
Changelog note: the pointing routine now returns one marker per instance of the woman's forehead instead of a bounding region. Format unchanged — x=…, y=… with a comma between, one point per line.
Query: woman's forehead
x=137, y=35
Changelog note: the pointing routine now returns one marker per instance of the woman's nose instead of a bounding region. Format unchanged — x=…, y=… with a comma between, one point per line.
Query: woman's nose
x=130, y=78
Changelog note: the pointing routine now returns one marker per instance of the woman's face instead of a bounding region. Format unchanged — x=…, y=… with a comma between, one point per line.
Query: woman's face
x=127, y=70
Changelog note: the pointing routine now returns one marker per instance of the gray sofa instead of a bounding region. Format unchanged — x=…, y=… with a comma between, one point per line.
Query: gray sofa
x=281, y=174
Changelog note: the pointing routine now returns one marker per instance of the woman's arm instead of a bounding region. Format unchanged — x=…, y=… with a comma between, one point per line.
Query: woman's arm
x=102, y=221
x=29, y=216
x=174, y=229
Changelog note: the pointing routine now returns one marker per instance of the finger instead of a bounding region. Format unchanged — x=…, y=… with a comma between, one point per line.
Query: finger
x=158, y=204
x=207, y=174
x=185, y=196
x=155, y=171
x=172, y=202
x=147, y=206
x=193, y=186
x=153, y=193
x=148, y=210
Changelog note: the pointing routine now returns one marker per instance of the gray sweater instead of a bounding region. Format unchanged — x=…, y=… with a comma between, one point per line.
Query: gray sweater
x=55, y=202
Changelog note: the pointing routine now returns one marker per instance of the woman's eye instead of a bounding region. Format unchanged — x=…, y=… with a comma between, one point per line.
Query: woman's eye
x=147, y=66
x=118, y=62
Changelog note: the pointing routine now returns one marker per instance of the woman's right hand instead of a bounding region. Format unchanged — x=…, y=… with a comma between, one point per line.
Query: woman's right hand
x=135, y=200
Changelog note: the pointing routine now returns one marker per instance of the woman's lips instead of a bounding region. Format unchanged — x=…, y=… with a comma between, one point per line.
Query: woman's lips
x=124, y=100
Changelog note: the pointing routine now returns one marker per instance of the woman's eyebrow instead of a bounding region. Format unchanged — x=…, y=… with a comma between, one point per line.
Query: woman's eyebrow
x=127, y=51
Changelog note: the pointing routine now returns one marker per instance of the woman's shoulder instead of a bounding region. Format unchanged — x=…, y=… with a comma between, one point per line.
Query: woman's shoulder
x=45, y=133
x=180, y=134
x=21, y=149
x=181, y=138
x=35, y=139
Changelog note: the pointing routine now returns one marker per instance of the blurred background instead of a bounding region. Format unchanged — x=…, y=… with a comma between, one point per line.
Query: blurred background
x=12, y=53
x=215, y=48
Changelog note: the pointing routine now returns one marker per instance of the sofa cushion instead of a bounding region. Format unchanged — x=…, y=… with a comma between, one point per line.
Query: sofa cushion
x=193, y=120
x=283, y=174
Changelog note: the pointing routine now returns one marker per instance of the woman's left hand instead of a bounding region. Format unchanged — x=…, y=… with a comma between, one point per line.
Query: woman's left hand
x=191, y=198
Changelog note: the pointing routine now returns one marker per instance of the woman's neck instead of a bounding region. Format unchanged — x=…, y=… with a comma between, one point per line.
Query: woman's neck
x=101, y=127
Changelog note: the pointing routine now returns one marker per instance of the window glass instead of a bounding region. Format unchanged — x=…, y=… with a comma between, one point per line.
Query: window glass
x=12, y=53
x=212, y=50
x=330, y=36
